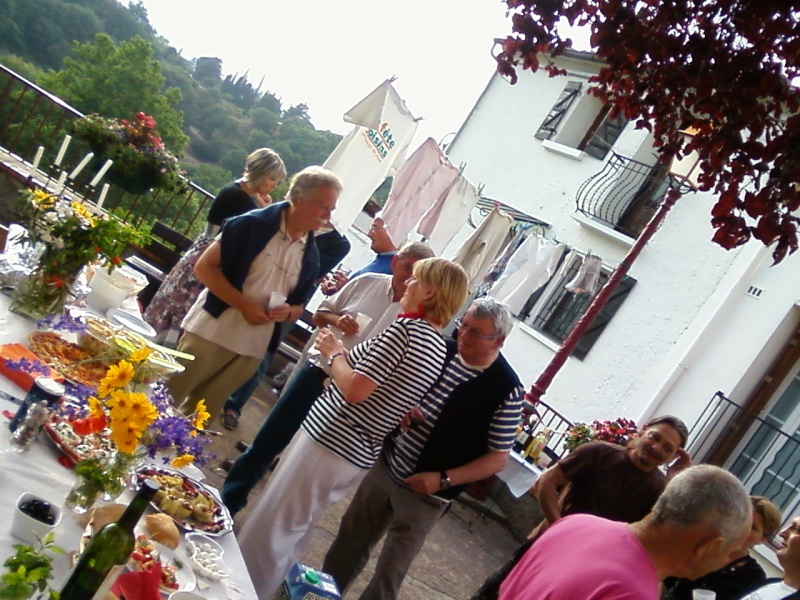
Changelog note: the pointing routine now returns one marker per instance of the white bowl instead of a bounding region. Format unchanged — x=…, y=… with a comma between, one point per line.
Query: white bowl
x=185, y=596
x=27, y=528
x=206, y=557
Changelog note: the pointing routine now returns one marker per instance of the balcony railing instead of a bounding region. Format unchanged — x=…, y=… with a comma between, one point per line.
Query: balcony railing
x=753, y=447
x=32, y=117
x=550, y=418
x=624, y=194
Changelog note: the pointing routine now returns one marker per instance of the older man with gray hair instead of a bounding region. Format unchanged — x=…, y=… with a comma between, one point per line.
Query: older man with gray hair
x=460, y=432
x=699, y=524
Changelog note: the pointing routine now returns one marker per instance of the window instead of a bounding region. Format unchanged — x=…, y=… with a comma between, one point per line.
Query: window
x=554, y=311
x=581, y=121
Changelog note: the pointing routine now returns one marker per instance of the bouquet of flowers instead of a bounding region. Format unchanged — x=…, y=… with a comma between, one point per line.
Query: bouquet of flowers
x=70, y=236
x=137, y=150
x=617, y=431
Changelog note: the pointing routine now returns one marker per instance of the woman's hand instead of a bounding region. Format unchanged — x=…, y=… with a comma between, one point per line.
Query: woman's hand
x=280, y=313
x=327, y=343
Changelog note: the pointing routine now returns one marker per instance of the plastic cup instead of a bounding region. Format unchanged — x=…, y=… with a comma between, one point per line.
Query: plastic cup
x=703, y=595
x=362, y=320
x=276, y=299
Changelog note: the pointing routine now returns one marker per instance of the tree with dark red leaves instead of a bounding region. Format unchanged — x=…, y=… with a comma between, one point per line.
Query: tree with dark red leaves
x=722, y=67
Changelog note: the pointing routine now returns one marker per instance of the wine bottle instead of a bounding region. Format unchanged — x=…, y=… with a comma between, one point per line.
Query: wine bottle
x=108, y=551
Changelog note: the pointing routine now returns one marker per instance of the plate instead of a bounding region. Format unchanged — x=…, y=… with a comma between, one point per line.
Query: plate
x=77, y=448
x=132, y=322
x=221, y=521
x=184, y=575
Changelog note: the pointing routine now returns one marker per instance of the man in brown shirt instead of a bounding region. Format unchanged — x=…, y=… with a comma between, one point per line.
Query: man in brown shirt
x=605, y=480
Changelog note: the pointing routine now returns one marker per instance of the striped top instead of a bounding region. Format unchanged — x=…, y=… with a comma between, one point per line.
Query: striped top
x=402, y=452
x=404, y=361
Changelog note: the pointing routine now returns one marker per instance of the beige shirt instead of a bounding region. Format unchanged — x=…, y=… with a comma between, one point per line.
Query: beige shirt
x=276, y=268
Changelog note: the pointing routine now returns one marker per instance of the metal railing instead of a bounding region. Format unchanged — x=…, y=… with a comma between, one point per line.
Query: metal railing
x=754, y=447
x=550, y=418
x=31, y=117
x=624, y=194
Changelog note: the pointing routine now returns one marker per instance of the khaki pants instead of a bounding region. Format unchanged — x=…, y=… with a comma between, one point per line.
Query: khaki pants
x=213, y=375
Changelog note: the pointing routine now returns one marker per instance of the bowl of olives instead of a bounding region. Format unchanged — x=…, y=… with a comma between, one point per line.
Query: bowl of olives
x=34, y=517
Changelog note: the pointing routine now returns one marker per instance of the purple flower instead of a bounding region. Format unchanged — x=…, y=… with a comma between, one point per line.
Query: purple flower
x=65, y=322
x=34, y=367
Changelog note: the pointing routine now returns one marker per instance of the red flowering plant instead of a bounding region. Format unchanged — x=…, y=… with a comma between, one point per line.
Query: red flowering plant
x=135, y=147
x=617, y=431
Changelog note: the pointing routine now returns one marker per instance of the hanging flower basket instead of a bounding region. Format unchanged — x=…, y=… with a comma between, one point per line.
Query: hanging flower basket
x=141, y=162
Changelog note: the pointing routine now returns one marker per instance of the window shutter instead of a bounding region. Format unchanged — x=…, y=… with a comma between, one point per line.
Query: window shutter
x=549, y=126
x=601, y=320
x=600, y=141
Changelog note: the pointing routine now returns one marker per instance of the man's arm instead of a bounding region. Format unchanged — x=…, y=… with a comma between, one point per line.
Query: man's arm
x=344, y=323
x=546, y=490
x=209, y=272
x=429, y=482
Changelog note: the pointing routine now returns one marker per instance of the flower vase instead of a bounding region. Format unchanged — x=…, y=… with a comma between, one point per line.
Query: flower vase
x=83, y=495
x=119, y=468
x=43, y=293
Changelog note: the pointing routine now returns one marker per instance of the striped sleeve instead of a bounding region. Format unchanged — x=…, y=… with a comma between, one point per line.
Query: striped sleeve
x=386, y=352
x=504, y=422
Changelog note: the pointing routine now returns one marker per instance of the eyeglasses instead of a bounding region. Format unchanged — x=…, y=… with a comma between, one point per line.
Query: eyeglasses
x=471, y=331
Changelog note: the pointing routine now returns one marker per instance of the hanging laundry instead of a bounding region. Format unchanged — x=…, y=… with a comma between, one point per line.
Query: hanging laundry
x=502, y=267
x=378, y=144
x=482, y=247
x=419, y=184
x=588, y=276
x=447, y=216
x=539, y=258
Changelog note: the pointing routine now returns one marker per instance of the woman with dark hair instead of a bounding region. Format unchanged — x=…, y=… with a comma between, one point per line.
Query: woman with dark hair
x=263, y=171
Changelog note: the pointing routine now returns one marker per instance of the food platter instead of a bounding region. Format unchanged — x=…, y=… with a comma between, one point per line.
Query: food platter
x=75, y=446
x=180, y=575
x=67, y=358
x=180, y=493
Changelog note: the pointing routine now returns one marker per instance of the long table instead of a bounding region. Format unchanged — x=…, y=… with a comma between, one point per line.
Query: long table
x=38, y=471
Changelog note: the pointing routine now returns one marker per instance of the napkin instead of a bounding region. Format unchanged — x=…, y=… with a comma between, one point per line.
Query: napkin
x=139, y=585
x=23, y=379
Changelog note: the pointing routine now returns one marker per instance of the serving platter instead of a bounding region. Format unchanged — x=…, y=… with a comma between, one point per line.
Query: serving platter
x=188, y=492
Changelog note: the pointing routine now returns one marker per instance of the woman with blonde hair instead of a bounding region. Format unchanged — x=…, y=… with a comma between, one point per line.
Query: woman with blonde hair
x=263, y=171
x=372, y=388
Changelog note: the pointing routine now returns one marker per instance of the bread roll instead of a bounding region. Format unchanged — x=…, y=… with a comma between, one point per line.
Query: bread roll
x=162, y=529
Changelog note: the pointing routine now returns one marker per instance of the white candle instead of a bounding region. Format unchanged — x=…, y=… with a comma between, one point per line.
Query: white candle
x=80, y=166
x=36, y=160
x=103, y=170
x=61, y=182
x=103, y=193
x=63, y=150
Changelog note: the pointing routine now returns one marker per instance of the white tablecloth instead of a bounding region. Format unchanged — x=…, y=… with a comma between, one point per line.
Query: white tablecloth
x=38, y=471
x=519, y=474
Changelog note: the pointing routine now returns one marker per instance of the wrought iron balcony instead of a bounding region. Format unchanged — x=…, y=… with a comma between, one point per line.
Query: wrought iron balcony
x=624, y=194
x=755, y=448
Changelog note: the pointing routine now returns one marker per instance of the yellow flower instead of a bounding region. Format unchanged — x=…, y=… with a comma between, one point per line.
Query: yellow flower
x=119, y=375
x=104, y=388
x=119, y=402
x=201, y=416
x=42, y=199
x=125, y=436
x=182, y=460
x=142, y=409
x=141, y=354
x=96, y=409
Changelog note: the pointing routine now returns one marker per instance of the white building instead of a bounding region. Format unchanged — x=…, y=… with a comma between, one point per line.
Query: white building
x=697, y=320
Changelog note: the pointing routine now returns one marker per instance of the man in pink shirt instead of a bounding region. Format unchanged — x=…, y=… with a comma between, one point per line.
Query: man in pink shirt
x=698, y=525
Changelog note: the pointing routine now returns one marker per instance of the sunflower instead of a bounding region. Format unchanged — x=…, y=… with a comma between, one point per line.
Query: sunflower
x=119, y=375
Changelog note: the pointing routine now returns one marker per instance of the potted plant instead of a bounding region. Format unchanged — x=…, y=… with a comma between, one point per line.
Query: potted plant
x=616, y=431
x=141, y=162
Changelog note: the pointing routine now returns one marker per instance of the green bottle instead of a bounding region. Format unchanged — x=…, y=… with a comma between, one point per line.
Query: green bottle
x=108, y=551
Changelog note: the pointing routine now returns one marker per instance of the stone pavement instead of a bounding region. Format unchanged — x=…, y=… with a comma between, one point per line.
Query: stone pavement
x=464, y=547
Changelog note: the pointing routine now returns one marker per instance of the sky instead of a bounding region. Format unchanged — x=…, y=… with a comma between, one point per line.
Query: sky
x=330, y=54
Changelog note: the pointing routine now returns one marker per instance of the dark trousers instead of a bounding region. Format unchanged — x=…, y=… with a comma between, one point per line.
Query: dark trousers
x=275, y=434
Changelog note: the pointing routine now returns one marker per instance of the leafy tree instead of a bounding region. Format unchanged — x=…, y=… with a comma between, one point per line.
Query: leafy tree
x=135, y=77
x=211, y=177
x=298, y=111
x=233, y=161
x=270, y=102
x=267, y=121
x=208, y=70
x=258, y=139
x=722, y=67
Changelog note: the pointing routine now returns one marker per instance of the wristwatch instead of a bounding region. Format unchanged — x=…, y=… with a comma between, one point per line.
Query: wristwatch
x=333, y=357
x=445, y=483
